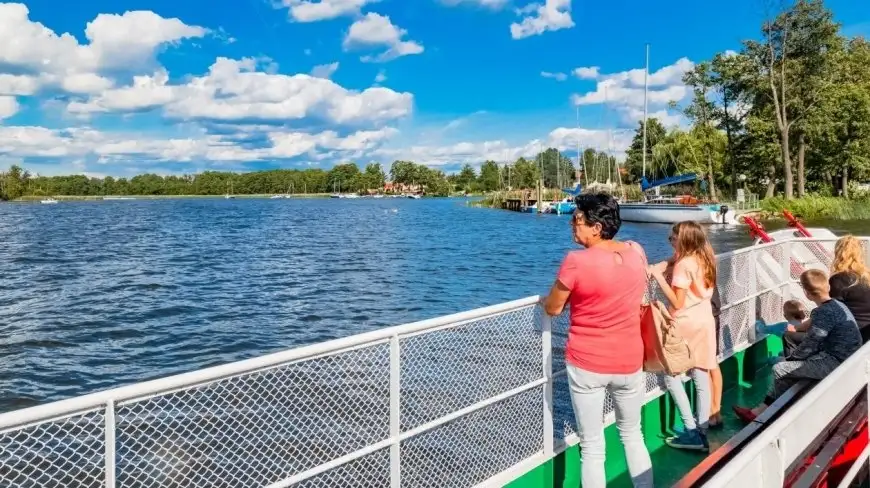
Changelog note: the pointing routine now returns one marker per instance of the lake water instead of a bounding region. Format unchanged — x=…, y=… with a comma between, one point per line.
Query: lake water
x=99, y=294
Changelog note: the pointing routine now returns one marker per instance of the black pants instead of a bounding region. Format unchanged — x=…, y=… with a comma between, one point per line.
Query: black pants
x=790, y=342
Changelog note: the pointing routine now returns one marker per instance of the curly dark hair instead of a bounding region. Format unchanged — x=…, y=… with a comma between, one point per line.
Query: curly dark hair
x=600, y=208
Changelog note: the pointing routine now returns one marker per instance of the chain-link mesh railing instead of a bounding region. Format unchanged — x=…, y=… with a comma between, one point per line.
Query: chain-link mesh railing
x=452, y=401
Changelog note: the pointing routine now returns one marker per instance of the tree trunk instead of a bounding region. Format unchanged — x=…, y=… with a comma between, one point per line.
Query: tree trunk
x=711, y=181
x=788, y=175
x=845, y=182
x=729, y=145
x=780, y=105
x=771, y=185
x=830, y=179
x=801, y=167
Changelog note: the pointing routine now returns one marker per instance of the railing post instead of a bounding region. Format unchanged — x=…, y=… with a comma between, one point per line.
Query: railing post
x=395, y=411
x=547, y=364
x=786, y=269
x=110, y=444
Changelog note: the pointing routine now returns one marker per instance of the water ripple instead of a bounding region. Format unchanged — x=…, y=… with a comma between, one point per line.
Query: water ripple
x=101, y=294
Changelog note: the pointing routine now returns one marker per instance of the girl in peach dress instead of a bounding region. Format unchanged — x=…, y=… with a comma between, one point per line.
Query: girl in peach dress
x=689, y=292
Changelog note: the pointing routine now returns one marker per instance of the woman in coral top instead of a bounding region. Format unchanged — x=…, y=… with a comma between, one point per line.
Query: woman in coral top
x=689, y=293
x=605, y=284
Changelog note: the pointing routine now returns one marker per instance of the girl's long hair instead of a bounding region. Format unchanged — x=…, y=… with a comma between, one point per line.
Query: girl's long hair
x=691, y=240
x=849, y=257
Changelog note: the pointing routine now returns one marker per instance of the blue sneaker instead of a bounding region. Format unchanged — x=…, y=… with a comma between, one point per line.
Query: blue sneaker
x=692, y=440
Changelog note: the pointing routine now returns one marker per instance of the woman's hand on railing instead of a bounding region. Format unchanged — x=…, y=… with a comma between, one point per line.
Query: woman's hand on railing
x=657, y=269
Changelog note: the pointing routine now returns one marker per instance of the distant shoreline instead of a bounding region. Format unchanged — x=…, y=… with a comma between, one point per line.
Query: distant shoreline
x=98, y=198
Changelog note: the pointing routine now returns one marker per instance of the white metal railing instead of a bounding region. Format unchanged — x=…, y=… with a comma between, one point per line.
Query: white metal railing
x=764, y=462
x=474, y=398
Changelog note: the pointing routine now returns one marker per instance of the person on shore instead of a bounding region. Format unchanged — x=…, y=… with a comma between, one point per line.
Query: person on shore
x=689, y=293
x=849, y=283
x=605, y=285
x=833, y=336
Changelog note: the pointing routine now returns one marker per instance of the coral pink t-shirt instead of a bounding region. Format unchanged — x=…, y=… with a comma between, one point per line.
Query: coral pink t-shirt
x=606, y=295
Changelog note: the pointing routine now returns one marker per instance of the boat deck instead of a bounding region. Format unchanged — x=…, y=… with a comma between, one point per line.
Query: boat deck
x=670, y=465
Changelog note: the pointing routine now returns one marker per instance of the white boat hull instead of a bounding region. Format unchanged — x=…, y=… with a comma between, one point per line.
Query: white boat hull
x=659, y=213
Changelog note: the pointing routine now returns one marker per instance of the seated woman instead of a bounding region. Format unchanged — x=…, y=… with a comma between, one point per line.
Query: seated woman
x=832, y=337
x=849, y=283
x=605, y=284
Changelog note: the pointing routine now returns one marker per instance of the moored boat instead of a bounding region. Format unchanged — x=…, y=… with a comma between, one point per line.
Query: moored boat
x=670, y=210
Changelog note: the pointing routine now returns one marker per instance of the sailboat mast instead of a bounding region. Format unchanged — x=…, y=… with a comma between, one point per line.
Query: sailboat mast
x=645, y=86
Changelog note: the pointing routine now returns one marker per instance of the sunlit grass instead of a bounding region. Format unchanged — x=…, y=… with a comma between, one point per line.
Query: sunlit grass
x=818, y=207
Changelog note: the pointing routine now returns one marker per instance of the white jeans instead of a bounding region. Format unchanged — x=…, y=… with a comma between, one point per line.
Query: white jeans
x=588, y=391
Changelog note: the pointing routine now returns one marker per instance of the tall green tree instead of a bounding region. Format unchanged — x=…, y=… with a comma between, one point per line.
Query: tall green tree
x=489, y=179
x=732, y=78
x=655, y=132
x=840, y=123
x=793, y=60
x=467, y=178
x=523, y=174
x=557, y=168
x=13, y=183
x=374, y=176
x=344, y=177
x=700, y=111
x=403, y=172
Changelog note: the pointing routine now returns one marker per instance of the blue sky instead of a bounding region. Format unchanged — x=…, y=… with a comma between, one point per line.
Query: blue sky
x=121, y=87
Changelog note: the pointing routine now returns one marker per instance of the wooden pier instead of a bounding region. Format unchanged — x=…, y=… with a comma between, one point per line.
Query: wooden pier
x=517, y=204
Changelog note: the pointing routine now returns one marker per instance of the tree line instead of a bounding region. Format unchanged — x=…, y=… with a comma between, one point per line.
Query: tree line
x=555, y=169
x=789, y=112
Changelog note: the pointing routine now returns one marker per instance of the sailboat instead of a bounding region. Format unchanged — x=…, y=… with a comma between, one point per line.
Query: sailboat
x=229, y=194
x=669, y=210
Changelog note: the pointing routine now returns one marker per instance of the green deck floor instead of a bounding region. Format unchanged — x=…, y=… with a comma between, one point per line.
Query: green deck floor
x=746, y=376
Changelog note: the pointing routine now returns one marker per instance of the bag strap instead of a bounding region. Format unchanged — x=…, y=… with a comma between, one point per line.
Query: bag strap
x=650, y=290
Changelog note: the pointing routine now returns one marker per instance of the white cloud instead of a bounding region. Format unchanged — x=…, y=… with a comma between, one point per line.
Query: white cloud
x=324, y=70
x=632, y=115
x=624, y=91
x=375, y=30
x=8, y=107
x=34, y=57
x=313, y=11
x=115, y=41
x=121, y=41
x=562, y=138
x=233, y=90
x=29, y=141
x=587, y=72
x=553, y=15
x=619, y=94
x=667, y=76
x=381, y=76
x=21, y=85
x=491, y=4
x=555, y=76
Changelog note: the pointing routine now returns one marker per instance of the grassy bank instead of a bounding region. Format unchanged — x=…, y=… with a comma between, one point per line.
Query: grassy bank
x=815, y=207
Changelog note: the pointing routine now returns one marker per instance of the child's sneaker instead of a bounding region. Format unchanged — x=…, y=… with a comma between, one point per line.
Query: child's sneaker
x=692, y=440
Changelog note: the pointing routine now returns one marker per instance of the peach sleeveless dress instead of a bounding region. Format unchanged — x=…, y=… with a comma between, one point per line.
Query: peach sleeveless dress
x=695, y=320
